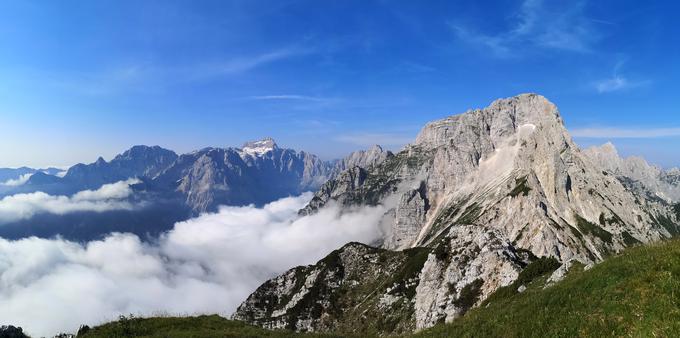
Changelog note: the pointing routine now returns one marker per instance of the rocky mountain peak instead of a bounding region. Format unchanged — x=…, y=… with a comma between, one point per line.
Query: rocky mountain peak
x=609, y=148
x=261, y=147
x=100, y=161
x=142, y=150
x=500, y=120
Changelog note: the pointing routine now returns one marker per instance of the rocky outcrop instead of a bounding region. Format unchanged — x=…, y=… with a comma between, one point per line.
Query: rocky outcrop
x=364, y=290
x=468, y=264
x=357, y=289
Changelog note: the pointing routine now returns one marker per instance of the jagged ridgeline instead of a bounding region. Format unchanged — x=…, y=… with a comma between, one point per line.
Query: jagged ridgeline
x=477, y=199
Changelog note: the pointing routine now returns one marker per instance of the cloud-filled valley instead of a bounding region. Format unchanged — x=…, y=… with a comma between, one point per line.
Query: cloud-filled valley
x=208, y=264
x=106, y=198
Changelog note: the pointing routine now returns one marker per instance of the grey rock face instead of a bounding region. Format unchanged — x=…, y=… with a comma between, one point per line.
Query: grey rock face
x=410, y=216
x=468, y=257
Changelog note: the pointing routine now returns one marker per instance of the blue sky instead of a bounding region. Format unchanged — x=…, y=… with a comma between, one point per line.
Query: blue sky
x=79, y=79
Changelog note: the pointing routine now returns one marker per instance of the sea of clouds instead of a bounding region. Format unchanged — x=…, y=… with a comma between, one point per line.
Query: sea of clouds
x=204, y=265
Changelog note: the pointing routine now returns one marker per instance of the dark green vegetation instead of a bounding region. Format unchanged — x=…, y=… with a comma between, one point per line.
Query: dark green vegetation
x=181, y=327
x=9, y=331
x=665, y=222
x=593, y=229
x=521, y=187
x=538, y=268
x=469, y=295
x=634, y=294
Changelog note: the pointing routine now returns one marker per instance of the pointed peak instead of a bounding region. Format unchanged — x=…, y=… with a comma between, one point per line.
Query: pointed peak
x=609, y=147
x=376, y=148
x=100, y=161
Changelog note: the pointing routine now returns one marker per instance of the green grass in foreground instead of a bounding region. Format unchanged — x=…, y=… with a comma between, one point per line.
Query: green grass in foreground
x=635, y=294
x=185, y=327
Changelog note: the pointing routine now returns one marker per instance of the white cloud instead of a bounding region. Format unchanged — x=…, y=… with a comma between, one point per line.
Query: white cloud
x=17, y=181
x=208, y=264
x=537, y=25
x=625, y=132
x=612, y=84
x=108, y=197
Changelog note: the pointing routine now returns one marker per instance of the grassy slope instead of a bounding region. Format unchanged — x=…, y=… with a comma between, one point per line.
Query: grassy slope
x=635, y=294
x=185, y=327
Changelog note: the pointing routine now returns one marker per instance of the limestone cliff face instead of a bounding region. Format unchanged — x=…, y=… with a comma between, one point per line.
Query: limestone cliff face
x=480, y=187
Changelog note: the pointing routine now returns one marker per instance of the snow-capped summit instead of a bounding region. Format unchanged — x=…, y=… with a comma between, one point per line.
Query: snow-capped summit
x=259, y=148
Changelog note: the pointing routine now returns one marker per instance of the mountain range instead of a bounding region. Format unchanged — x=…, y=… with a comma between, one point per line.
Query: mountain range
x=176, y=187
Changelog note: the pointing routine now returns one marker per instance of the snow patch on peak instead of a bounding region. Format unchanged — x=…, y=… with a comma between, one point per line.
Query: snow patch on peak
x=526, y=129
x=258, y=148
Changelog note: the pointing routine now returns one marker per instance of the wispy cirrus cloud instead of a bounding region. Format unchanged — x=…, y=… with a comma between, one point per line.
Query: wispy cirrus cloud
x=536, y=25
x=618, y=82
x=284, y=97
x=148, y=77
x=615, y=132
x=244, y=64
